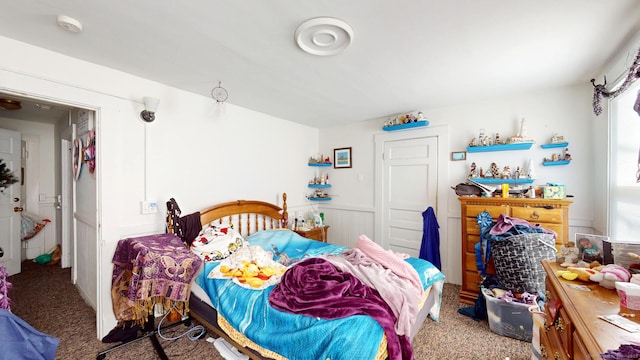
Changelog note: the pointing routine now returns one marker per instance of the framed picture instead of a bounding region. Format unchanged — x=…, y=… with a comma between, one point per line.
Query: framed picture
x=458, y=155
x=342, y=158
x=590, y=247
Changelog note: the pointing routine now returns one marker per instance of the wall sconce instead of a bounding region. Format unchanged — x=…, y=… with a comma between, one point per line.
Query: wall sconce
x=150, y=106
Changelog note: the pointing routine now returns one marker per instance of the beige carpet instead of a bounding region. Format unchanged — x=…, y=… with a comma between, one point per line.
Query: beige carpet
x=44, y=297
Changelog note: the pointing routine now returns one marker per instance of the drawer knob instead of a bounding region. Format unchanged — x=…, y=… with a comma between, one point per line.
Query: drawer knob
x=535, y=215
x=559, y=326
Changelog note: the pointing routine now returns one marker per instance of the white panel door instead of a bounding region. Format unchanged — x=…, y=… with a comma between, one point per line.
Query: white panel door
x=65, y=201
x=410, y=187
x=10, y=199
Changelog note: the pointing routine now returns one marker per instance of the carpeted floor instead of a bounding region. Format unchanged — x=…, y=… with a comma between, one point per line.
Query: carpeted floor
x=44, y=297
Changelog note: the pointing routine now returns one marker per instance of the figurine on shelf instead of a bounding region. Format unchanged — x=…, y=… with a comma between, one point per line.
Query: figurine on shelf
x=520, y=137
x=557, y=138
x=498, y=141
x=567, y=156
x=495, y=173
x=530, y=170
x=473, y=173
x=516, y=174
x=506, y=172
x=523, y=128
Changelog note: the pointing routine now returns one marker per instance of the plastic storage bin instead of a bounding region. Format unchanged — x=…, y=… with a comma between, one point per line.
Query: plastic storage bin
x=629, y=294
x=509, y=319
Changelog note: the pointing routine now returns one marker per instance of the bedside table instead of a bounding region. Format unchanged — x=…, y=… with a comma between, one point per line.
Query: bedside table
x=317, y=233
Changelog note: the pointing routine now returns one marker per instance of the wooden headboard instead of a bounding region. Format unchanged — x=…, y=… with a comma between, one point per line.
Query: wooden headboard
x=247, y=216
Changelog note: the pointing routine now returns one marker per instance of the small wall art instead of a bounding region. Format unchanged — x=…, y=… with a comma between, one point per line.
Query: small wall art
x=342, y=158
x=458, y=155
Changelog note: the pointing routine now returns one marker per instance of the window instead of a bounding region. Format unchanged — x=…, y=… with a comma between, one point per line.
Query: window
x=624, y=189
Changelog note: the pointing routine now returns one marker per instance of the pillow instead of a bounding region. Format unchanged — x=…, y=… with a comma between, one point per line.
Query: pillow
x=217, y=242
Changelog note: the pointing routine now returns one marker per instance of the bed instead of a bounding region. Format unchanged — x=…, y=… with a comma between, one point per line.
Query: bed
x=247, y=318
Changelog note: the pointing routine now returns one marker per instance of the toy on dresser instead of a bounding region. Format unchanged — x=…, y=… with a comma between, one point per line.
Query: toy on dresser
x=609, y=275
x=568, y=255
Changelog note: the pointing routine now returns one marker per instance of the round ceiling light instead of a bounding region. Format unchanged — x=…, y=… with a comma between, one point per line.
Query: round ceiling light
x=324, y=36
x=70, y=24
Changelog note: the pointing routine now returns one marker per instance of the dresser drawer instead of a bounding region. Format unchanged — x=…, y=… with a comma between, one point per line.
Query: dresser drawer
x=493, y=210
x=470, y=262
x=471, y=224
x=580, y=351
x=536, y=215
x=559, y=229
x=472, y=279
x=471, y=242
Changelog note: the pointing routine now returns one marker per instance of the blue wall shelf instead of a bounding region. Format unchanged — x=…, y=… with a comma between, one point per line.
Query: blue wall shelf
x=319, y=186
x=555, y=163
x=503, y=181
x=500, y=147
x=555, y=145
x=406, y=126
x=319, y=198
x=321, y=164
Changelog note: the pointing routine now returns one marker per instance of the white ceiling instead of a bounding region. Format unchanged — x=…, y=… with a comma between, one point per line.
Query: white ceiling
x=405, y=55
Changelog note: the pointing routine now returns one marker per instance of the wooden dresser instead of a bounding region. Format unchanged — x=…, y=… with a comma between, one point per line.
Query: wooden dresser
x=578, y=333
x=550, y=214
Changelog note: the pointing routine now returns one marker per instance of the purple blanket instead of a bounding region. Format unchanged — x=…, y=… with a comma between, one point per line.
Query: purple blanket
x=315, y=287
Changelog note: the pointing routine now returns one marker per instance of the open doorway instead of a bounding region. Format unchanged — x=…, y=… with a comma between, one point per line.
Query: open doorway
x=47, y=187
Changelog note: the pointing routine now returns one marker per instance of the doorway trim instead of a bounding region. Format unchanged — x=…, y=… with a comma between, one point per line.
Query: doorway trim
x=442, y=208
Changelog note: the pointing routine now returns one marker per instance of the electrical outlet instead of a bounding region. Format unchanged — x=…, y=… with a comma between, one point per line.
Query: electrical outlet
x=149, y=207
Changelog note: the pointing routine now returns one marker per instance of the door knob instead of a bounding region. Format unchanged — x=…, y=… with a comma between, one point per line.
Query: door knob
x=17, y=209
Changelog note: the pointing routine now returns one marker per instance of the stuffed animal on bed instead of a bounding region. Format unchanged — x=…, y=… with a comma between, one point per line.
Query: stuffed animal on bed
x=609, y=275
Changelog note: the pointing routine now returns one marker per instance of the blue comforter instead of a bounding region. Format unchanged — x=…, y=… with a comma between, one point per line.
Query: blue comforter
x=298, y=336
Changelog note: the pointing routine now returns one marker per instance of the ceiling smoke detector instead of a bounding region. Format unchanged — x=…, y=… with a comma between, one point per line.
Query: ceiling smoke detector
x=324, y=36
x=8, y=104
x=70, y=24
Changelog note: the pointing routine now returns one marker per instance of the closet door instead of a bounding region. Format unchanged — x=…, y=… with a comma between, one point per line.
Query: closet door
x=410, y=187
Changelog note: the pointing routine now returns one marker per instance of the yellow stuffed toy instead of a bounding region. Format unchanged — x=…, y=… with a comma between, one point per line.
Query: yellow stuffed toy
x=579, y=273
x=567, y=275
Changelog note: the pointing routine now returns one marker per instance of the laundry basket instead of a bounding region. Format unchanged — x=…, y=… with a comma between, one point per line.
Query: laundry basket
x=517, y=260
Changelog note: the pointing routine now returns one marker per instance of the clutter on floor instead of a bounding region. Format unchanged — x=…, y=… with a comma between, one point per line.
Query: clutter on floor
x=52, y=257
x=509, y=315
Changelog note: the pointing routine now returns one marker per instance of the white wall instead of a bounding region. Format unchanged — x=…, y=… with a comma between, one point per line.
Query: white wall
x=195, y=155
x=566, y=111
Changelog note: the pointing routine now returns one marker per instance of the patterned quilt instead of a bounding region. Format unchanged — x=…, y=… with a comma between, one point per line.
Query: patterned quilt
x=283, y=334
